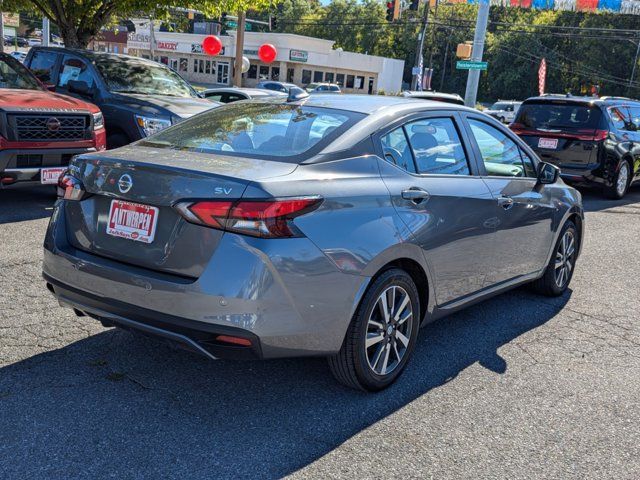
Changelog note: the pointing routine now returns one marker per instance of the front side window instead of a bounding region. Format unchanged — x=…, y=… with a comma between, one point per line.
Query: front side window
x=436, y=147
x=396, y=150
x=500, y=154
x=42, y=65
x=280, y=132
x=74, y=69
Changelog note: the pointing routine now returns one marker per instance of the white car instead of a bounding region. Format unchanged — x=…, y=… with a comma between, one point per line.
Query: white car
x=323, y=88
x=233, y=94
x=34, y=41
x=435, y=96
x=504, y=110
x=20, y=56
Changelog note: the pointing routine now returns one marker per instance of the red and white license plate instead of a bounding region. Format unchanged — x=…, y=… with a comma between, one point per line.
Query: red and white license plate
x=549, y=143
x=49, y=176
x=132, y=221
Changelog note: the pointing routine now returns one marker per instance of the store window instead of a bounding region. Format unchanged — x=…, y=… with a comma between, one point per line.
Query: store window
x=223, y=73
x=275, y=73
x=328, y=77
x=359, y=83
x=317, y=76
x=264, y=72
x=290, y=73
x=207, y=67
x=164, y=60
x=306, y=77
x=340, y=79
x=184, y=65
x=252, y=72
x=195, y=65
x=350, y=81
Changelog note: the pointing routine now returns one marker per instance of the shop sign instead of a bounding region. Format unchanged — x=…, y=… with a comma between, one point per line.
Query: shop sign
x=166, y=45
x=139, y=41
x=11, y=19
x=298, y=55
x=197, y=48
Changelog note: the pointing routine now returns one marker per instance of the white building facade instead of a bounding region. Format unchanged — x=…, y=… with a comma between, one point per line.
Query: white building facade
x=300, y=60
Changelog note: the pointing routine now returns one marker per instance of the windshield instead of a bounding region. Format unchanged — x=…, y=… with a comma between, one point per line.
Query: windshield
x=498, y=106
x=558, y=116
x=128, y=76
x=282, y=132
x=14, y=75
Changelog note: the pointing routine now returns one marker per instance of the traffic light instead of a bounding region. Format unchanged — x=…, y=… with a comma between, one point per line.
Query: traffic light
x=274, y=22
x=414, y=5
x=223, y=18
x=392, y=10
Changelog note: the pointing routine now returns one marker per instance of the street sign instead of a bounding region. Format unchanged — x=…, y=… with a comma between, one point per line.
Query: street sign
x=471, y=65
x=416, y=71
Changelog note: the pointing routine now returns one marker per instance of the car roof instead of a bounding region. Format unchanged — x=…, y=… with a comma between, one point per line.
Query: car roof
x=259, y=92
x=581, y=99
x=92, y=55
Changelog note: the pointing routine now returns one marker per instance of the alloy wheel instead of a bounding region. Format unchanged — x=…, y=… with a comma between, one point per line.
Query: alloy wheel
x=623, y=178
x=565, y=258
x=389, y=330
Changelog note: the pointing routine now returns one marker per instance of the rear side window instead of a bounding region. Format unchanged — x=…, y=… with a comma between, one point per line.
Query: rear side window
x=634, y=112
x=396, y=150
x=436, y=147
x=620, y=118
x=280, y=132
x=42, y=65
x=552, y=116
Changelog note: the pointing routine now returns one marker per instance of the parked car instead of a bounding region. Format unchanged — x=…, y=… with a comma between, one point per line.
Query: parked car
x=504, y=110
x=594, y=141
x=20, y=56
x=233, y=94
x=40, y=131
x=453, y=98
x=138, y=97
x=13, y=41
x=277, y=86
x=330, y=225
x=32, y=42
x=323, y=88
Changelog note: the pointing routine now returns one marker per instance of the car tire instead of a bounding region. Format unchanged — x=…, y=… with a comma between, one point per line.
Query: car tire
x=553, y=282
x=117, y=140
x=368, y=368
x=502, y=120
x=621, y=182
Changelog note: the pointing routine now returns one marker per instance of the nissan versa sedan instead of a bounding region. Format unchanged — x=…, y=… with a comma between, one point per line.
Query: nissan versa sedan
x=329, y=226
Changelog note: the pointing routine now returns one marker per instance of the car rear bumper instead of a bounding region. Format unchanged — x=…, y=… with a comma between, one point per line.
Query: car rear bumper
x=17, y=166
x=582, y=176
x=284, y=293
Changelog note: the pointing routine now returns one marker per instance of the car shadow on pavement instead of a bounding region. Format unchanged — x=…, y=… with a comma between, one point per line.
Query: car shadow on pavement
x=594, y=201
x=115, y=404
x=26, y=203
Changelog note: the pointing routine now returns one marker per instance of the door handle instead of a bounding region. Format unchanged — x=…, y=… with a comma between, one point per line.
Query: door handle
x=416, y=195
x=505, y=202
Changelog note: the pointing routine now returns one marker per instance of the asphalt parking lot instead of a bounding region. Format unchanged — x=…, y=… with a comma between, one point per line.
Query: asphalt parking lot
x=517, y=387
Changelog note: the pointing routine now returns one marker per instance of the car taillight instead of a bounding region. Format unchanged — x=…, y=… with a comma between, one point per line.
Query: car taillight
x=600, y=135
x=258, y=218
x=69, y=187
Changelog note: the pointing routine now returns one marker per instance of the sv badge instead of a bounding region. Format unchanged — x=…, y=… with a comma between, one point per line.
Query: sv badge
x=222, y=191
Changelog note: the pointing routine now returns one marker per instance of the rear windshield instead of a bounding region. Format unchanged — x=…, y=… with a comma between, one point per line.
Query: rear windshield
x=558, y=116
x=282, y=132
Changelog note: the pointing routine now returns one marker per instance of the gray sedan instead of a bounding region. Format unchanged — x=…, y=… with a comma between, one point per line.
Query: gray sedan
x=321, y=226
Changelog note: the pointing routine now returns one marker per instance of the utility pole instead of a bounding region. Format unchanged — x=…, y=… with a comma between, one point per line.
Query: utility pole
x=152, y=40
x=1, y=29
x=416, y=79
x=46, y=32
x=473, y=79
x=633, y=70
x=237, y=74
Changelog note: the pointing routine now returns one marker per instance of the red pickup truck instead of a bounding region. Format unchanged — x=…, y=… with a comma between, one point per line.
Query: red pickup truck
x=39, y=130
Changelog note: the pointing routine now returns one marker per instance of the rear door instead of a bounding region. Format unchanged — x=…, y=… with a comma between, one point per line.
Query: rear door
x=562, y=132
x=524, y=209
x=450, y=212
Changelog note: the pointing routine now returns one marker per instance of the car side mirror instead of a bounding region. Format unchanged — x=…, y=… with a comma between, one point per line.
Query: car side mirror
x=78, y=86
x=548, y=173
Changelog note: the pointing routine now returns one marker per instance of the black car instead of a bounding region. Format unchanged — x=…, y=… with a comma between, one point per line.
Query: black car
x=10, y=41
x=138, y=97
x=594, y=141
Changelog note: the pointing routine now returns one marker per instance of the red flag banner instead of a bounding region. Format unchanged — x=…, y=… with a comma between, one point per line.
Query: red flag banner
x=542, y=76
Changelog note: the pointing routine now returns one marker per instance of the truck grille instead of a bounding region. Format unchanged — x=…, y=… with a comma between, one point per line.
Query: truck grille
x=50, y=128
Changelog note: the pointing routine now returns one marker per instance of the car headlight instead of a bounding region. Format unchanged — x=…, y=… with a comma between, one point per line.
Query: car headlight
x=98, y=121
x=151, y=125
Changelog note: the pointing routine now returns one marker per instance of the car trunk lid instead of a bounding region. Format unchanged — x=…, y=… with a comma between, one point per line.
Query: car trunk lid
x=128, y=214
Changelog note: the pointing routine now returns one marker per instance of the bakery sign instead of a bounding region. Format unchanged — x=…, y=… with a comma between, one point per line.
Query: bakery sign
x=298, y=55
x=160, y=45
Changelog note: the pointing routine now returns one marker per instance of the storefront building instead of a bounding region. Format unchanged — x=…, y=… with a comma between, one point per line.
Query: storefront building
x=300, y=60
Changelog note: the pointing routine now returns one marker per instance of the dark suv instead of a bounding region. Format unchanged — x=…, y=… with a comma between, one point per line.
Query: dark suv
x=138, y=97
x=594, y=141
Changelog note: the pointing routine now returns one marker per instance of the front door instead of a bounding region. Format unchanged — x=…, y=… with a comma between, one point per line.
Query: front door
x=524, y=208
x=449, y=211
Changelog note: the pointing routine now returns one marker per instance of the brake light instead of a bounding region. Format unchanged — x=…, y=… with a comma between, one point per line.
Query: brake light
x=69, y=187
x=600, y=135
x=258, y=218
x=234, y=340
